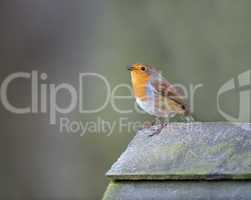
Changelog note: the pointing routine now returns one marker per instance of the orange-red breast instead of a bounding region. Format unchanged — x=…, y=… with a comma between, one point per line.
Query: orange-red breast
x=154, y=94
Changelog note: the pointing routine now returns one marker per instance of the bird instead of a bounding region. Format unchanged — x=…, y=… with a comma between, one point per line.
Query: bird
x=156, y=95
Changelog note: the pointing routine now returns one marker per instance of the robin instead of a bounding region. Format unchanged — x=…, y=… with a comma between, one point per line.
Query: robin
x=155, y=95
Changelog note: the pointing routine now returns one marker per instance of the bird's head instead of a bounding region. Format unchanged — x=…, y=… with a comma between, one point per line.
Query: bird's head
x=142, y=71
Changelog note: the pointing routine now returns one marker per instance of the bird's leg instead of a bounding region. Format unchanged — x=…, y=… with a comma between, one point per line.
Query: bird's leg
x=158, y=130
x=161, y=125
x=156, y=121
x=149, y=124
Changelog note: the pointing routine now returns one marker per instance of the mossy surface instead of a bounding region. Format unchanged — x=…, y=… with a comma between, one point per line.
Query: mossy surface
x=178, y=190
x=187, y=151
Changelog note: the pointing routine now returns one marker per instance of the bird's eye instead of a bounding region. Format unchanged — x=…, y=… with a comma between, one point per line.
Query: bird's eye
x=143, y=68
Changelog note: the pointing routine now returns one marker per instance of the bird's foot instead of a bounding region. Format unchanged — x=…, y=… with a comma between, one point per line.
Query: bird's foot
x=158, y=130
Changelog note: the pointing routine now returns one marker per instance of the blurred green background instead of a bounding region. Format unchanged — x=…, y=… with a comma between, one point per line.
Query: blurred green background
x=191, y=41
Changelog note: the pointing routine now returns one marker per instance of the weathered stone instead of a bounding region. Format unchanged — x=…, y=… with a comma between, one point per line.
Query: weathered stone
x=178, y=190
x=184, y=151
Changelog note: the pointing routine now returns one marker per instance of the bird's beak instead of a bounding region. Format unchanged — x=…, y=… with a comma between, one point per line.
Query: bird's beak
x=130, y=67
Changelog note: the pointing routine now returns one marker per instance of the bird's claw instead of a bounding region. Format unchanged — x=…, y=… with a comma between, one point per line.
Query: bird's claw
x=158, y=131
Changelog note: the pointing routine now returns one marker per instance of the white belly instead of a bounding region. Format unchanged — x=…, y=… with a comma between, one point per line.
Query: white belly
x=149, y=107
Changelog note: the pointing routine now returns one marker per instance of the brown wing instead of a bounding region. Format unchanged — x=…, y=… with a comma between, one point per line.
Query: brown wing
x=166, y=89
